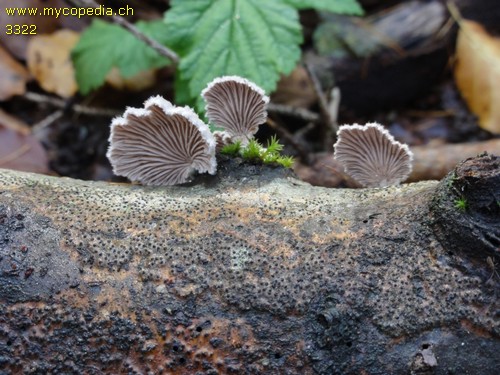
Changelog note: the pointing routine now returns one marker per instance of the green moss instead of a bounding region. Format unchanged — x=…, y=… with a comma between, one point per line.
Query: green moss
x=451, y=180
x=286, y=161
x=256, y=153
x=252, y=151
x=232, y=149
x=273, y=146
x=461, y=204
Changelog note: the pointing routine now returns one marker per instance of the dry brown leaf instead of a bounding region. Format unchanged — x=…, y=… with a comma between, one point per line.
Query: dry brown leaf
x=13, y=76
x=13, y=123
x=16, y=44
x=49, y=60
x=140, y=81
x=295, y=89
x=19, y=149
x=477, y=73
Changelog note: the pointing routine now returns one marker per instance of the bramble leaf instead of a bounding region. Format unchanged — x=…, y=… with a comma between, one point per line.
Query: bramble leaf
x=103, y=46
x=334, y=6
x=256, y=39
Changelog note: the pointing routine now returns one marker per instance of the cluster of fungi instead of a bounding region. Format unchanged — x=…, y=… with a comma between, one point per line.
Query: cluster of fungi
x=163, y=144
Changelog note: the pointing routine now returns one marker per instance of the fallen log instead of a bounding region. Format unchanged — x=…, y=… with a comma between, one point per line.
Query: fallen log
x=250, y=271
x=434, y=162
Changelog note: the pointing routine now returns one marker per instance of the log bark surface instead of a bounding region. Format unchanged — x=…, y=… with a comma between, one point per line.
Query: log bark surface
x=252, y=272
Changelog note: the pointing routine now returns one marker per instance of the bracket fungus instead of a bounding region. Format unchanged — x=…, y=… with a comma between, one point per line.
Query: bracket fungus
x=237, y=105
x=161, y=144
x=372, y=156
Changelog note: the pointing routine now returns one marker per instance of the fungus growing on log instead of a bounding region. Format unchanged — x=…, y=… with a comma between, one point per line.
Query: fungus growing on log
x=161, y=144
x=372, y=156
x=237, y=105
x=222, y=139
x=254, y=273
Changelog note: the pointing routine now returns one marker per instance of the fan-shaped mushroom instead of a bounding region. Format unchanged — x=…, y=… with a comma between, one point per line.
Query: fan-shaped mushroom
x=237, y=105
x=372, y=156
x=160, y=144
x=221, y=139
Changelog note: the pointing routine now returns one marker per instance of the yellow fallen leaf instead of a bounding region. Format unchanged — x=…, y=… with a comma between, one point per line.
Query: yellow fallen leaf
x=295, y=89
x=13, y=76
x=477, y=73
x=138, y=82
x=49, y=61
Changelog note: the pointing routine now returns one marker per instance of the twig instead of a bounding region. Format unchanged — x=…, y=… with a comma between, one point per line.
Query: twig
x=47, y=121
x=78, y=108
x=302, y=132
x=162, y=50
x=455, y=12
x=330, y=126
x=300, y=113
x=333, y=108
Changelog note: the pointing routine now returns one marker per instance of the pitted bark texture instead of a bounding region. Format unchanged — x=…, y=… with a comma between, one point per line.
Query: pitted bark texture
x=248, y=272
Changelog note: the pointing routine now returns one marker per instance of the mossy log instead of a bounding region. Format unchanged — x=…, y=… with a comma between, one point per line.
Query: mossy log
x=250, y=272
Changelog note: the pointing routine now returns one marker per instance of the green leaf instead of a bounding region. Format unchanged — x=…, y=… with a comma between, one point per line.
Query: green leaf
x=103, y=46
x=334, y=6
x=256, y=39
x=182, y=94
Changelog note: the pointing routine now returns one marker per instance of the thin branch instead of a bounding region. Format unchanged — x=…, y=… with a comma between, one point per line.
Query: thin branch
x=78, y=108
x=162, y=50
x=47, y=121
x=302, y=132
x=333, y=108
x=330, y=126
x=300, y=113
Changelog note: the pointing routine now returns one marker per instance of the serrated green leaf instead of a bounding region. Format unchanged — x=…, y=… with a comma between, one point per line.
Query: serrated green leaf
x=334, y=6
x=256, y=39
x=182, y=94
x=103, y=46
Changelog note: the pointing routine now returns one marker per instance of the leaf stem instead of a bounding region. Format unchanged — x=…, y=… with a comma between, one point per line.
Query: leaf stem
x=297, y=112
x=63, y=104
